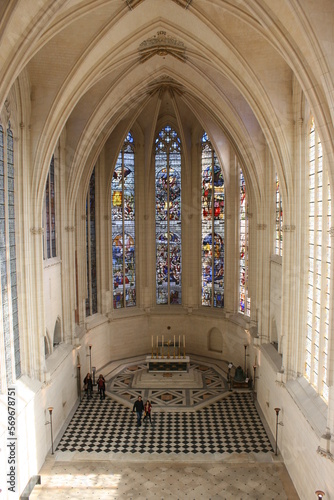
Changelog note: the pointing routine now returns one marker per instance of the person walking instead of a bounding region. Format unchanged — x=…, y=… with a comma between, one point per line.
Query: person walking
x=101, y=386
x=138, y=408
x=147, y=411
x=88, y=384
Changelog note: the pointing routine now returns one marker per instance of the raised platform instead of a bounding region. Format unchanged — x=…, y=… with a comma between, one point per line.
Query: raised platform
x=159, y=364
x=145, y=379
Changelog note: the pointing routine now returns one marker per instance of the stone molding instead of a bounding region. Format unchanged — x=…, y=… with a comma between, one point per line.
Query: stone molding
x=69, y=228
x=288, y=229
x=261, y=227
x=331, y=232
x=133, y=3
x=162, y=45
x=183, y=3
x=37, y=230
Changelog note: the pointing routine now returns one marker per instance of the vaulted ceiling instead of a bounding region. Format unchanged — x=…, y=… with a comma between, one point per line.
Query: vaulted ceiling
x=97, y=67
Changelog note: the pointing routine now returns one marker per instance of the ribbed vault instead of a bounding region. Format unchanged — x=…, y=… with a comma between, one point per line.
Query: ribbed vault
x=93, y=65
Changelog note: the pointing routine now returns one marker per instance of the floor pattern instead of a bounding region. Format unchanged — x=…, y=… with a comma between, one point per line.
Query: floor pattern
x=226, y=426
x=101, y=480
x=214, y=385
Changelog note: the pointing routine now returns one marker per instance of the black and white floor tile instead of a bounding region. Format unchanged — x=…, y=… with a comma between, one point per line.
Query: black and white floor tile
x=229, y=425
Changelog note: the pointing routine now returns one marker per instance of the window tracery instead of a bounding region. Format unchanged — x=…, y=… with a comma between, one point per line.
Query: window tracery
x=9, y=295
x=279, y=221
x=213, y=227
x=168, y=217
x=244, y=299
x=49, y=215
x=319, y=267
x=123, y=227
x=91, y=298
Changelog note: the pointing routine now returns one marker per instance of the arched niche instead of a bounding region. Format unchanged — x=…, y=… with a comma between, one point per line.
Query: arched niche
x=215, y=340
x=57, y=333
x=47, y=344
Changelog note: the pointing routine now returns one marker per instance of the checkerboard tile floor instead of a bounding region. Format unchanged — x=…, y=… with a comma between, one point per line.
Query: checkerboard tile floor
x=226, y=426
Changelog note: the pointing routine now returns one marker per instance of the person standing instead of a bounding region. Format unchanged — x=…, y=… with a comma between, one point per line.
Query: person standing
x=147, y=411
x=88, y=384
x=138, y=408
x=101, y=386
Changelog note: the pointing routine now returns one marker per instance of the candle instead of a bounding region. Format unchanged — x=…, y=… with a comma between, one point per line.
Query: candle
x=152, y=341
x=174, y=341
x=162, y=340
x=157, y=342
x=179, y=340
x=184, y=341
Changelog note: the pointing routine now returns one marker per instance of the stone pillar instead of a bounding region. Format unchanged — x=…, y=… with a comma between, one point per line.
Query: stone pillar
x=289, y=290
x=36, y=358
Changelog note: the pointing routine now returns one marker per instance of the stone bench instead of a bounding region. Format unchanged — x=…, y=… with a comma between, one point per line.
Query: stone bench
x=30, y=486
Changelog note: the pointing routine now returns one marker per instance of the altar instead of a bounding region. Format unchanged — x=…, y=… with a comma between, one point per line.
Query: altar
x=167, y=365
x=168, y=356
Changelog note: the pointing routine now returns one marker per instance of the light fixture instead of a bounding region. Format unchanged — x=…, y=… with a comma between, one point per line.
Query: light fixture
x=277, y=410
x=50, y=413
x=90, y=358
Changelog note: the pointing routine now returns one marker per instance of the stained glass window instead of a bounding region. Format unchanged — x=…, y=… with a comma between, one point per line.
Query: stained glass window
x=91, y=299
x=244, y=299
x=213, y=227
x=123, y=227
x=279, y=221
x=168, y=217
x=319, y=251
x=49, y=242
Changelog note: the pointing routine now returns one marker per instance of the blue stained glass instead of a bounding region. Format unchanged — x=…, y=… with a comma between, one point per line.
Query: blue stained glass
x=168, y=217
x=123, y=227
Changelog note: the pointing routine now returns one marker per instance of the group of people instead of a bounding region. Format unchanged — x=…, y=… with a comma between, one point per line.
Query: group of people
x=101, y=386
x=139, y=408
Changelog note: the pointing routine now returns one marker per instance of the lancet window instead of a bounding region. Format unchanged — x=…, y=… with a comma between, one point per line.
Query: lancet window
x=91, y=298
x=168, y=217
x=244, y=299
x=123, y=227
x=319, y=266
x=9, y=298
x=279, y=221
x=49, y=215
x=213, y=227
